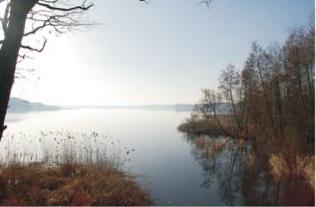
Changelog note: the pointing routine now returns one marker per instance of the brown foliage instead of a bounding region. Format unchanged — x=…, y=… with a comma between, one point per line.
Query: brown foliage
x=68, y=184
x=271, y=120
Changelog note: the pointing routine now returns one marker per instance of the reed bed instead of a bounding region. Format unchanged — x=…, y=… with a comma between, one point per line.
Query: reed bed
x=66, y=168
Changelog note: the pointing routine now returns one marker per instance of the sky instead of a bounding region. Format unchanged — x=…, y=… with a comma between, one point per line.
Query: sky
x=164, y=52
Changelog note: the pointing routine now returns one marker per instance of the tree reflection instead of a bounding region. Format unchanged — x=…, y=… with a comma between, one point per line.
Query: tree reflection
x=242, y=172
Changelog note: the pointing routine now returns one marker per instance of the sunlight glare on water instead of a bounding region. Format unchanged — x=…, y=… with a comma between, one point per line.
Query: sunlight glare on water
x=158, y=155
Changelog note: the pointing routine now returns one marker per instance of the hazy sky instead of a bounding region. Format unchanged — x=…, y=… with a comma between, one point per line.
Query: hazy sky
x=160, y=53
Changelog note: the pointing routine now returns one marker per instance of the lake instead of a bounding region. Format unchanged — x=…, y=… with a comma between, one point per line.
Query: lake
x=163, y=162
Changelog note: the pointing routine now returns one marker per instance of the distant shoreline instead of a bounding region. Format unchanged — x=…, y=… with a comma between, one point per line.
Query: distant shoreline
x=17, y=105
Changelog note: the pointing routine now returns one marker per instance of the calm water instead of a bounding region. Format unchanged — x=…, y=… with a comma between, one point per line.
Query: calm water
x=164, y=163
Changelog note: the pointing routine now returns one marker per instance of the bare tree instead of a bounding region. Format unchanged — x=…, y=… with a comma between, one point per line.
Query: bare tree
x=209, y=107
x=229, y=86
x=22, y=19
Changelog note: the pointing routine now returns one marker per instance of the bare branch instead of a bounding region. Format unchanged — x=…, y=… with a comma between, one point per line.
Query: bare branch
x=35, y=49
x=48, y=6
x=146, y=1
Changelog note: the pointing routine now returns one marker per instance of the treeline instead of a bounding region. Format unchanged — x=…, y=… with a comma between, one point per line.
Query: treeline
x=272, y=97
x=268, y=122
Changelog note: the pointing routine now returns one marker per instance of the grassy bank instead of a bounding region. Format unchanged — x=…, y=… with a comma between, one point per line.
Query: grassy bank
x=67, y=184
x=196, y=126
x=65, y=169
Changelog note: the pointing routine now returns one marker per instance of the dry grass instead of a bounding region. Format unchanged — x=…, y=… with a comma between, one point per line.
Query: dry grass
x=303, y=167
x=66, y=169
x=194, y=127
x=282, y=170
x=67, y=184
x=296, y=179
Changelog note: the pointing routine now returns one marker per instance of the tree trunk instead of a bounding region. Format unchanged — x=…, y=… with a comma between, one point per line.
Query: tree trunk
x=10, y=50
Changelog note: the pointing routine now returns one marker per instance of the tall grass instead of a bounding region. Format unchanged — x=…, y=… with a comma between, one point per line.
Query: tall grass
x=65, y=168
x=52, y=148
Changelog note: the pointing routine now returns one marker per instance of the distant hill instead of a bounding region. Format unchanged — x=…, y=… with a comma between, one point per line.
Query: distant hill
x=184, y=107
x=17, y=105
x=156, y=107
x=221, y=107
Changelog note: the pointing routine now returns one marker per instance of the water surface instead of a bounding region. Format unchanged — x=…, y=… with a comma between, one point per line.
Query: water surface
x=164, y=163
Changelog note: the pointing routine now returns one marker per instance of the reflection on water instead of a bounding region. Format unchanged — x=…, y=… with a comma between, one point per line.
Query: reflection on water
x=221, y=162
x=244, y=174
x=162, y=161
x=174, y=169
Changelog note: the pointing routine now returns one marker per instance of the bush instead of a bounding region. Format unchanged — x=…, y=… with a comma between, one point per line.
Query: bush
x=200, y=127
